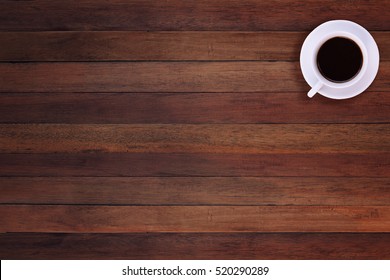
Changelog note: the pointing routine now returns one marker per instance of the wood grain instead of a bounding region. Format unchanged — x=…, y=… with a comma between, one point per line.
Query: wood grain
x=134, y=46
x=162, y=46
x=162, y=77
x=188, y=15
x=240, y=139
x=115, y=219
x=198, y=164
x=152, y=77
x=196, y=191
x=118, y=108
x=141, y=246
x=182, y=130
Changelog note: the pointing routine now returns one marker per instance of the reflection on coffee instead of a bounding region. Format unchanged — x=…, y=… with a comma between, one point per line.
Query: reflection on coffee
x=339, y=59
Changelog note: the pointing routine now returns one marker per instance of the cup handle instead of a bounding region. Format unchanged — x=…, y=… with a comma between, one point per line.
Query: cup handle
x=315, y=89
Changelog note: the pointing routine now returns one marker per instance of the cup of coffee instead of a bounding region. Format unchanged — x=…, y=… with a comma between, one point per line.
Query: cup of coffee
x=339, y=59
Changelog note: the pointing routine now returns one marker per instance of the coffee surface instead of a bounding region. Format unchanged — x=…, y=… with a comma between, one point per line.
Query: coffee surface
x=339, y=59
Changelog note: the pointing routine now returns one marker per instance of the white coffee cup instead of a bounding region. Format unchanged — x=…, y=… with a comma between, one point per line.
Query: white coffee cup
x=339, y=90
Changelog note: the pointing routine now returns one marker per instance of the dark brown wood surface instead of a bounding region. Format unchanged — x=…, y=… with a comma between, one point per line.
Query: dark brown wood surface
x=182, y=130
x=209, y=139
x=190, y=246
x=325, y=191
x=213, y=15
x=94, y=163
x=114, y=219
x=190, y=108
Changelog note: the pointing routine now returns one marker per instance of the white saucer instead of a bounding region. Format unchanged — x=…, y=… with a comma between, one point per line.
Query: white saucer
x=310, y=46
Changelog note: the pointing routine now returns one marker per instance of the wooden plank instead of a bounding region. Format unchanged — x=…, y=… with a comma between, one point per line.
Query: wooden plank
x=188, y=15
x=199, y=164
x=162, y=77
x=117, y=108
x=116, y=219
x=106, y=46
x=152, y=77
x=197, y=191
x=241, y=139
x=162, y=46
x=141, y=246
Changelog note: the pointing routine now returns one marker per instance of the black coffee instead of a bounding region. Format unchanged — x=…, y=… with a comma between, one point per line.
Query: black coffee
x=339, y=59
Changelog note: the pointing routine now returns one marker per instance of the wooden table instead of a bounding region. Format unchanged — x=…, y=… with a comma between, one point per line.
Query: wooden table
x=181, y=130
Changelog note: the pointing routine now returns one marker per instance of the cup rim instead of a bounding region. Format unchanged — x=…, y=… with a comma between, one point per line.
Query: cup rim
x=362, y=70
